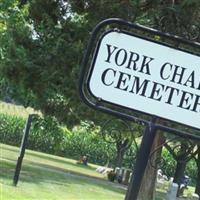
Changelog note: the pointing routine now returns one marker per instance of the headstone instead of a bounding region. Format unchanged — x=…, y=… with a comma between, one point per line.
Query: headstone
x=122, y=171
x=117, y=171
x=126, y=176
x=171, y=194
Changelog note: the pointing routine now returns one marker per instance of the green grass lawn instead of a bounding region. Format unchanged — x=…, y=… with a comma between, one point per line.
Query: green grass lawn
x=47, y=177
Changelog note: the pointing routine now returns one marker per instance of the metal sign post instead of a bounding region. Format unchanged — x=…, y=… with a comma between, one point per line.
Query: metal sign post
x=142, y=160
x=22, y=150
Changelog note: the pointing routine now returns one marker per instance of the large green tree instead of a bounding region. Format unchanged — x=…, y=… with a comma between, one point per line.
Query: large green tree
x=41, y=51
x=42, y=43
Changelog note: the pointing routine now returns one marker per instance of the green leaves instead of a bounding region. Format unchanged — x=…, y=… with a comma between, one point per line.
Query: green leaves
x=190, y=3
x=42, y=44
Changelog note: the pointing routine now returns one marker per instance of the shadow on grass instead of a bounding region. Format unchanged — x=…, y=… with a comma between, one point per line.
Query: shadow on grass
x=41, y=174
x=51, y=167
x=58, y=160
x=46, y=156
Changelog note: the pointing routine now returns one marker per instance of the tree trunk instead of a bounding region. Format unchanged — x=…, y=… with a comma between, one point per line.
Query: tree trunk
x=122, y=147
x=120, y=156
x=180, y=167
x=147, y=189
x=197, y=188
x=179, y=173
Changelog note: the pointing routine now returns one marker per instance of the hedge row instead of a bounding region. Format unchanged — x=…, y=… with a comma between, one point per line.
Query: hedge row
x=47, y=136
x=11, y=129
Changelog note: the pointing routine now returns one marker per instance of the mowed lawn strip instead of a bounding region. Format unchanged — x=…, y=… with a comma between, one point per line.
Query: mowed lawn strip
x=47, y=177
x=51, y=161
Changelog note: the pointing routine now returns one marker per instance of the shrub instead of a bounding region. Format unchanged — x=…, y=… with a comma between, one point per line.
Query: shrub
x=85, y=140
x=45, y=135
x=191, y=170
x=168, y=164
x=111, y=176
x=11, y=129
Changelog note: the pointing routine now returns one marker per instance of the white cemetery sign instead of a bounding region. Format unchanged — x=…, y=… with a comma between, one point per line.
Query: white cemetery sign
x=146, y=76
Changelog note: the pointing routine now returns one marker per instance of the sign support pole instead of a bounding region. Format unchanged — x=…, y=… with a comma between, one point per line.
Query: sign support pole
x=22, y=150
x=142, y=160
